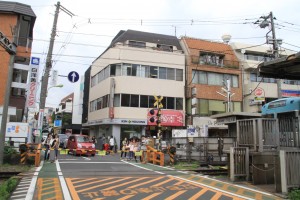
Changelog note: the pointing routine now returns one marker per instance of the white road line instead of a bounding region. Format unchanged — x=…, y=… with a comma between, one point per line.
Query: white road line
x=236, y=185
x=22, y=191
x=30, y=193
x=223, y=191
x=143, y=167
x=63, y=184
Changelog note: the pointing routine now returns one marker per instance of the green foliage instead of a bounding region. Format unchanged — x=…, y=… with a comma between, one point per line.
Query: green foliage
x=7, y=187
x=187, y=166
x=9, y=150
x=294, y=194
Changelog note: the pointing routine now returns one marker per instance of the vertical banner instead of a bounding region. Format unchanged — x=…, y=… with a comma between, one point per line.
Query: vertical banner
x=40, y=120
x=33, y=85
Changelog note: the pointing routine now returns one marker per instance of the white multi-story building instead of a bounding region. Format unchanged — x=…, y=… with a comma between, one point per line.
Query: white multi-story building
x=258, y=90
x=124, y=80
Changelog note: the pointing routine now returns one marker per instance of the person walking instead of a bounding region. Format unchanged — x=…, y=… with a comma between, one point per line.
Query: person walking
x=56, y=145
x=123, y=149
x=52, y=148
x=46, y=144
x=112, y=143
x=144, y=143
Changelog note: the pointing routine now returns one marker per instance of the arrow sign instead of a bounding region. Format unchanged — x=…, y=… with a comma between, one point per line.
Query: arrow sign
x=73, y=76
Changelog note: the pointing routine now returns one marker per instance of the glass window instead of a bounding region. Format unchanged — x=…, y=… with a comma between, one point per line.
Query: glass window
x=170, y=74
x=253, y=77
x=151, y=101
x=137, y=44
x=215, y=105
x=126, y=69
x=179, y=75
x=24, y=30
x=162, y=73
x=107, y=69
x=195, y=77
x=117, y=100
x=237, y=106
x=112, y=70
x=215, y=79
x=145, y=71
x=153, y=72
x=118, y=70
x=235, y=81
x=125, y=100
x=202, y=77
x=135, y=70
x=179, y=104
x=144, y=103
x=170, y=103
x=134, y=101
x=203, y=107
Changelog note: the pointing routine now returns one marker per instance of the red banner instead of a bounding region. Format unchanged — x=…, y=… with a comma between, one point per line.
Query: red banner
x=168, y=118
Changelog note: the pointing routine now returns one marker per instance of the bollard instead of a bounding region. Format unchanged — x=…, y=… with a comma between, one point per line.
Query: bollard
x=172, y=152
x=23, y=153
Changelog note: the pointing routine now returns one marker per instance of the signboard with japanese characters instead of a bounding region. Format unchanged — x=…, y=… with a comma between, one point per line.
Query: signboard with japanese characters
x=33, y=82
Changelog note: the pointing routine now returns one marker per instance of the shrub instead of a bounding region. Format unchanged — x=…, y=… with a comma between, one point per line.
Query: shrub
x=7, y=187
x=294, y=194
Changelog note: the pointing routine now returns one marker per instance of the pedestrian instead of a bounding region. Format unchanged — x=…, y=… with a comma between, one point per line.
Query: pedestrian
x=136, y=148
x=94, y=140
x=99, y=143
x=56, y=146
x=123, y=148
x=130, y=147
x=46, y=144
x=52, y=148
x=144, y=143
x=112, y=143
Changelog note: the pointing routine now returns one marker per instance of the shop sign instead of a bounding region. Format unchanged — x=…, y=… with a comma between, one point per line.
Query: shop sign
x=259, y=94
x=169, y=118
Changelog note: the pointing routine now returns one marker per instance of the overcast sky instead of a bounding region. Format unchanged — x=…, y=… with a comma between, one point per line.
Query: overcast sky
x=83, y=37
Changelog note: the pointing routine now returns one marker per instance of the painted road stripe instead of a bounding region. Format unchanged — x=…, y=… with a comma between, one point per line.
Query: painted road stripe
x=92, y=163
x=63, y=184
x=216, y=189
x=30, y=193
x=136, y=165
x=176, y=195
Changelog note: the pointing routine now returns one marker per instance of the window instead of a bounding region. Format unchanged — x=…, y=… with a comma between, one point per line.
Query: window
x=20, y=76
x=126, y=70
x=170, y=103
x=165, y=47
x=117, y=100
x=145, y=71
x=162, y=73
x=24, y=30
x=179, y=104
x=170, y=74
x=134, y=101
x=144, y=103
x=153, y=72
x=151, y=101
x=137, y=44
x=179, y=75
x=18, y=92
x=195, y=78
x=211, y=59
x=202, y=77
x=135, y=70
x=125, y=100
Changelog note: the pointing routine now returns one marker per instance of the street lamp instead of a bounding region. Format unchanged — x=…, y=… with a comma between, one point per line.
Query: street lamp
x=41, y=112
x=59, y=86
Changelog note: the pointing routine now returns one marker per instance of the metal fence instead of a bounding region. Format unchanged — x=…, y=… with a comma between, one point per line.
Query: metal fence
x=206, y=150
x=289, y=161
x=258, y=134
x=289, y=131
x=239, y=163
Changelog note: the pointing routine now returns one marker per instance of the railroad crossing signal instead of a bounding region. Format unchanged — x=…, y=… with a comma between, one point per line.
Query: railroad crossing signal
x=158, y=103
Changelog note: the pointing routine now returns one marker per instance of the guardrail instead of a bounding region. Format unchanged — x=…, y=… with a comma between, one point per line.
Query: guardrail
x=31, y=150
x=155, y=156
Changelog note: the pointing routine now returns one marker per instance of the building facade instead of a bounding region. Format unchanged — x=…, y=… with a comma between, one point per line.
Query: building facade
x=17, y=19
x=258, y=90
x=125, y=79
x=213, y=81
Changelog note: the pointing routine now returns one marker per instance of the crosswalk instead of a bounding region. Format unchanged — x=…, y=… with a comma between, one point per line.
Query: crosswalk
x=22, y=189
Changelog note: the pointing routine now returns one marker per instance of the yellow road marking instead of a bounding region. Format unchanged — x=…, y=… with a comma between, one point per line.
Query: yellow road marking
x=103, y=184
x=216, y=196
x=137, y=179
x=166, y=181
x=151, y=196
x=90, y=183
x=84, y=180
x=55, y=189
x=144, y=183
x=126, y=197
x=72, y=189
x=198, y=194
x=176, y=195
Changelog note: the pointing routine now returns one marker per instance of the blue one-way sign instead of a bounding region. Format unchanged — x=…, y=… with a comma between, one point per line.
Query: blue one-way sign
x=73, y=76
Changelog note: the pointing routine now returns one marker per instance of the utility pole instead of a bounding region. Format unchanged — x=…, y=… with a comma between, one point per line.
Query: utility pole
x=45, y=78
x=10, y=47
x=273, y=41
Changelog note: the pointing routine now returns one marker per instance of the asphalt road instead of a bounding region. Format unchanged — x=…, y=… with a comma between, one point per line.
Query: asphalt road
x=109, y=177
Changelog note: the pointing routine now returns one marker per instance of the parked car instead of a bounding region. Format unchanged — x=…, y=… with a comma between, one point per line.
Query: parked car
x=62, y=140
x=80, y=145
